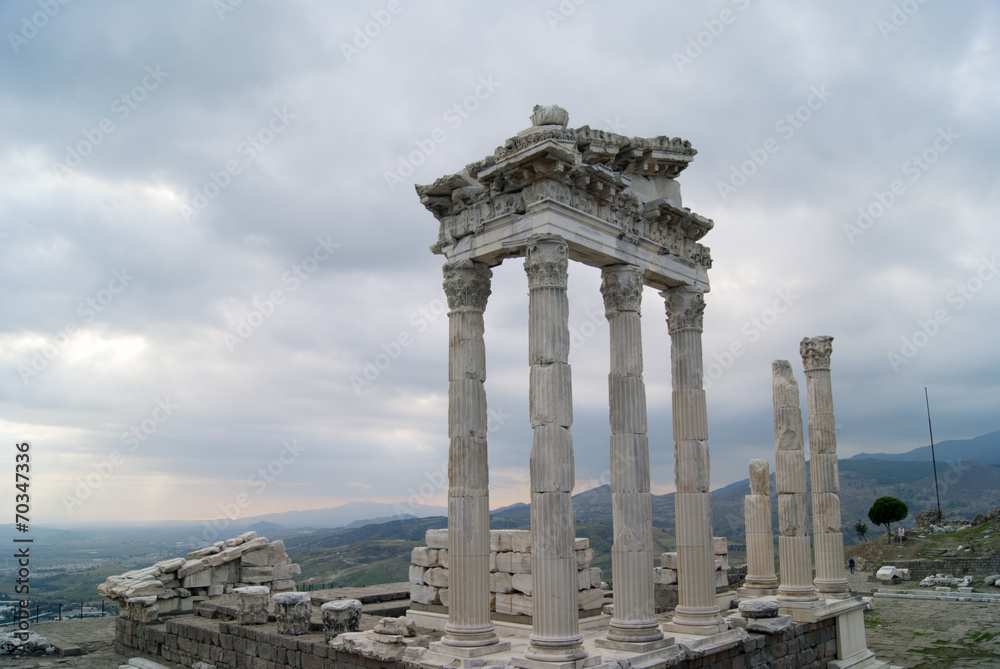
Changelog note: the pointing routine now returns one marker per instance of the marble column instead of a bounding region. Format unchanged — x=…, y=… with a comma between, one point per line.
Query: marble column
x=830, y=581
x=634, y=621
x=761, y=579
x=794, y=549
x=467, y=287
x=697, y=610
x=555, y=631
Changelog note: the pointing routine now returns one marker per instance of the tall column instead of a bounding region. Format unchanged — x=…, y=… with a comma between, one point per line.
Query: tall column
x=794, y=550
x=555, y=631
x=697, y=610
x=634, y=620
x=830, y=581
x=761, y=579
x=467, y=286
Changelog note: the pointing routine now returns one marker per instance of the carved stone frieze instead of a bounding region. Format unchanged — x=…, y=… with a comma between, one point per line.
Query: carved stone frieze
x=816, y=352
x=685, y=309
x=467, y=285
x=546, y=261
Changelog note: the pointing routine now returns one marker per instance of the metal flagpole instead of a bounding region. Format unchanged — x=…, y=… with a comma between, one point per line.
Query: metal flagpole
x=933, y=459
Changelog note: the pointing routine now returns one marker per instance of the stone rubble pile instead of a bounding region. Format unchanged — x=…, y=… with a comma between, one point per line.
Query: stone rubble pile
x=945, y=580
x=510, y=573
x=175, y=585
x=33, y=645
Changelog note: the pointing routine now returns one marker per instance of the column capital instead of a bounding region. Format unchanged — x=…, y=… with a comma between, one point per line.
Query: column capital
x=546, y=261
x=621, y=286
x=816, y=352
x=685, y=308
x=467, y=285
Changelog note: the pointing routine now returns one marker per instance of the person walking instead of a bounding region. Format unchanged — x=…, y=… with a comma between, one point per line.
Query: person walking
x=850, y=563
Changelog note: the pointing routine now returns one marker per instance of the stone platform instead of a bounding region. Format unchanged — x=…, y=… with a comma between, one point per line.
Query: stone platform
x=187, y=639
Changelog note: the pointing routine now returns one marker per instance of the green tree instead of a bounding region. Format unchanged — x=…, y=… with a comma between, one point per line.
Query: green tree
x=887, y=510
x=861, y=527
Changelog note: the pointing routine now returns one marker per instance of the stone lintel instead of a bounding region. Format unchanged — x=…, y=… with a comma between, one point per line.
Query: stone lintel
x=469, y=651
x=700, y=646
x=592, y=241
x=836, y=607
x=801, y=611
x=667, y=656
x=589, y=662
x=634, y=646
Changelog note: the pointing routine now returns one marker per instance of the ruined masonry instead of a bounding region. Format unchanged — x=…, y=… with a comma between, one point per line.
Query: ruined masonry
x=176, y=585
x=510, y=575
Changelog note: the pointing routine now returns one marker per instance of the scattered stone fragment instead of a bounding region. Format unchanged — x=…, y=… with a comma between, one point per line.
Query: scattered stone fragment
x=758, y=608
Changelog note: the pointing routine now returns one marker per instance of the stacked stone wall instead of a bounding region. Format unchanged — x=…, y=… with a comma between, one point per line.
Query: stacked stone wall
x=510, y=573
x=176, y=585
x=665, y=576
x=978, y=568
x=227, y=645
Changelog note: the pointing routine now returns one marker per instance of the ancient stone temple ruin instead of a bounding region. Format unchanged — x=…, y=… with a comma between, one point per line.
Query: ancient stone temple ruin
x=531, y=599
x=550, y=195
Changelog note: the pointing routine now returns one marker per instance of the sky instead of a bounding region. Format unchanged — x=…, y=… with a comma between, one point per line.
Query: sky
x=218, y=297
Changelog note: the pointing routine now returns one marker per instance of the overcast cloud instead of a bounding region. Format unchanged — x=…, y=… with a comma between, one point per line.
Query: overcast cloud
x=208, y=231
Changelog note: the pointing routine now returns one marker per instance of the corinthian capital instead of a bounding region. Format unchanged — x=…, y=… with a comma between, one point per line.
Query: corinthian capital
x=546, y=259
x=467, y=285
x=816, y=352
x=621, y=286
x=685, y=308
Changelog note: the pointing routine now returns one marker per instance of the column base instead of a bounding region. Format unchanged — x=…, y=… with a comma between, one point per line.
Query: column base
x=469, y=651
x=556, y=662
x=754, y=591
x=833, y=589
x=699, y=622
x=469, y=637
x=632, y=633
x=635, y=646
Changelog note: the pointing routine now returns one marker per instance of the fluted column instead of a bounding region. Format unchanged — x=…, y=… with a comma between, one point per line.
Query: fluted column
x=697, y=610
x=555, y=631
x=794, y=551
x=761, y=579
x=467, y=286
x=830, y=581
x=634, y=619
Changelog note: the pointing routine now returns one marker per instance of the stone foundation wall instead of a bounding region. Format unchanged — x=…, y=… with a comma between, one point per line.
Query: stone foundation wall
x=956, y=566
x=510, y=573
x=230, y=646
x=227, y=645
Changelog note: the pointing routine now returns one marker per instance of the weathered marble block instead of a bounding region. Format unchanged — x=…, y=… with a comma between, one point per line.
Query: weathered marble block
x=340, y=616
x=293, y=610
x=251, y=604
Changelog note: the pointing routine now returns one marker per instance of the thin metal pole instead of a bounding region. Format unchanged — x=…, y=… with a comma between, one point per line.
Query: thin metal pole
x=933, y=458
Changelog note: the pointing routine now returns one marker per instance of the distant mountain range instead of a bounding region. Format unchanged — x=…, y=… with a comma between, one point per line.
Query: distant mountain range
x=352, y=514
x=984, y=449
x=965, y=490
x=968, y=482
